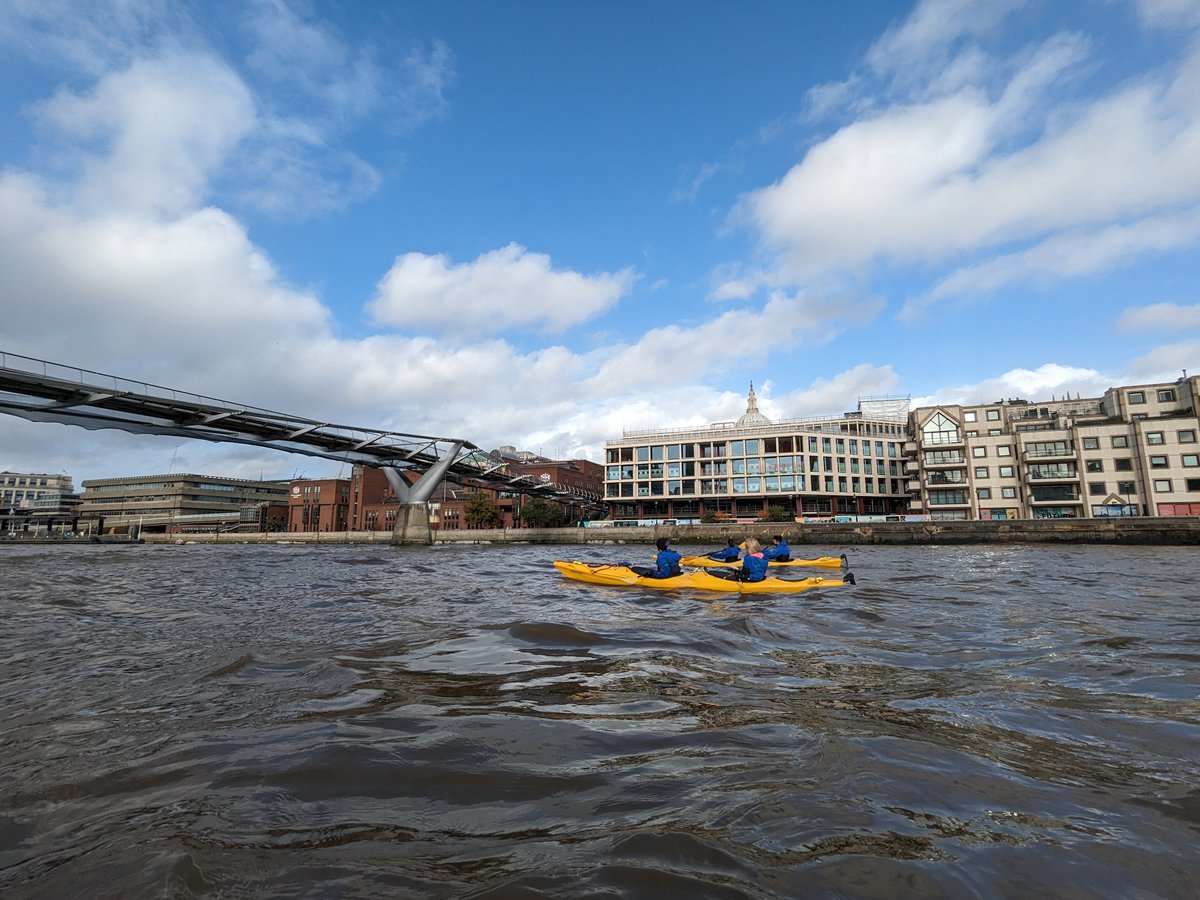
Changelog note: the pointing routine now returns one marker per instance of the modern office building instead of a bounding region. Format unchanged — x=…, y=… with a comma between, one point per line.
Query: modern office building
x=173, y=504
x=37, y=502
x=838, y=465
x=1132, y=452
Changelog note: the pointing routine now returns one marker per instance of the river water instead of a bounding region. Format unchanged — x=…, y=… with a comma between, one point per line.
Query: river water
x=458, y=721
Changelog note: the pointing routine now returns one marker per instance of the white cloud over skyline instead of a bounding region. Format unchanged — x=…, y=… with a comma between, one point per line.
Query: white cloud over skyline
x=161, y=190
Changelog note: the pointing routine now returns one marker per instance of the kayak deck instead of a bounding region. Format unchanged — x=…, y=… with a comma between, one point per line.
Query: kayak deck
x=624, y=576
x=823, y=562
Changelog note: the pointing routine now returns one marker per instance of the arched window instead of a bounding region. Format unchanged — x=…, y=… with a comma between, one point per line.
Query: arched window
x=940, y=430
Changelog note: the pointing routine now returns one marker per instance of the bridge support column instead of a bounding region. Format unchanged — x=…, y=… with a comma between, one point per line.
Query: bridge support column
x=412, y=524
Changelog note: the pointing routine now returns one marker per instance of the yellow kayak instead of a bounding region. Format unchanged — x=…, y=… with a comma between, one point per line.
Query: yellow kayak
x=624, y=576
x=824, y=562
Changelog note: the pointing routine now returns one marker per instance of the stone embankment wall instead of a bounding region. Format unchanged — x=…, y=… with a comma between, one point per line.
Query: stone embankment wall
x=1164, y=531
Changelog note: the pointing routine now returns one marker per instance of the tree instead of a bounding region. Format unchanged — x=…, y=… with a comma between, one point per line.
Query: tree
x=480, y=511
x=538, y=512
x=776, y=513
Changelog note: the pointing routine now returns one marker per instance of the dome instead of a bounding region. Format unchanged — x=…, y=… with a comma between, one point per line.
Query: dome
x=752, y=417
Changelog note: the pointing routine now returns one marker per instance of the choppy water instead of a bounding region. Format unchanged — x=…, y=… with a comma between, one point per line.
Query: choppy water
x=460, y=722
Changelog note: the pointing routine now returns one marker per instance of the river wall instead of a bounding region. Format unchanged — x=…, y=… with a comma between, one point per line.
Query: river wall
x=1152, y=530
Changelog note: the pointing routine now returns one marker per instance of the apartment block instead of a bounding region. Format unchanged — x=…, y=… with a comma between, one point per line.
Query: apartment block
x=1131, y=452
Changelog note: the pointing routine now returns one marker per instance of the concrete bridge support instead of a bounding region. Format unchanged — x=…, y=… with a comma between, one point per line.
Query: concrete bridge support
x=412, y=518
x=412, y=524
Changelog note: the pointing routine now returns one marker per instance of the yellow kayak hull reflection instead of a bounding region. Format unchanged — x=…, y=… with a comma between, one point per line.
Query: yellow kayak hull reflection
x=823, y=562
x=623, y=576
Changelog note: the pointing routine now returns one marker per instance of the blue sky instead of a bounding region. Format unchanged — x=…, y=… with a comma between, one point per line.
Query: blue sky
x=543, y=223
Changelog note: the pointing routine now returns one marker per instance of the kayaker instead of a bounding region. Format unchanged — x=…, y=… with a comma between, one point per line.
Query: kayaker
x=666, y=564
x=754, y=564
x=779, y=550
x=728, y=554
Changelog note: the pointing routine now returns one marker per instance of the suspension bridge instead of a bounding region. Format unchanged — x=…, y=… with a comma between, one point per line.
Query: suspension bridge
x=42, y=391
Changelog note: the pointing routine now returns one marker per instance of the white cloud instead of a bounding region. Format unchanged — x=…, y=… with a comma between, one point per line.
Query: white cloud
x=1007, y=175
x=924, y=42
x=1169, y=13
x=502, y=289
x=159, y=130
x=1070, y=254
x=1043, y=383
x=1165, y=362
x=1159, y=317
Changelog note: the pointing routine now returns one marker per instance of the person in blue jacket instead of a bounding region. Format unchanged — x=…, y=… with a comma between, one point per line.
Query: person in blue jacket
x=666, y=564
x=728, y=554
x=754, y=564
x=779, y=550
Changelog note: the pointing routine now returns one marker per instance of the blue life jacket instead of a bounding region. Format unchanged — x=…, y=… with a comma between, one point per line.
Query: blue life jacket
x=729, y=554
x=778, y=551
x=667, y=563
x=754, y=568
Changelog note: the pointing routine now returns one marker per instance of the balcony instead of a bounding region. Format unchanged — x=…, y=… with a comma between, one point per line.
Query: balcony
x=1056, y=501
x=938, y=479
x=1044, y=474
x=941, y=460
x=1032, y=456
x=1048, y=494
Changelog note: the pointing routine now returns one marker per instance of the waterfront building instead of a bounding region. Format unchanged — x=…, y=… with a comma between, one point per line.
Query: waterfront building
x=319, y=504
x=173, y=504
x=37, y=502
x=1131, y=452
x=824, y=466
x=582, y=478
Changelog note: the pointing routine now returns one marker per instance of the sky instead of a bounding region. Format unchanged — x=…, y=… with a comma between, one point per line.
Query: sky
x=544, y=223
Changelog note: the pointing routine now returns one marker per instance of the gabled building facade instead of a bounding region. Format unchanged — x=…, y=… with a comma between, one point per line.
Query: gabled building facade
x=1132, y=452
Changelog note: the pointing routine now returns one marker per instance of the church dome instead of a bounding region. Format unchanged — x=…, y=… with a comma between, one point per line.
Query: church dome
x=752, y=417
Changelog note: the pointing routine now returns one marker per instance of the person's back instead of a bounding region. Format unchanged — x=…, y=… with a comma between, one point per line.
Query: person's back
x=779, y=550
x=727, y=554
x=754, y=564
x=667, y=562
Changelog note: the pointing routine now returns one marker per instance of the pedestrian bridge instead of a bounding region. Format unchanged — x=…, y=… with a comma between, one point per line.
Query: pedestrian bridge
x=42, y=391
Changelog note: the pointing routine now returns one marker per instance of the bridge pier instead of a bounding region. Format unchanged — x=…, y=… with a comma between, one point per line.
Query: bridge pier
x=412, y=524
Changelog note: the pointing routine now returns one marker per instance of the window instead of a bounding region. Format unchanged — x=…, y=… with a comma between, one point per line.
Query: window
x=992, y=432
x=1120, y=440
x=1123, y=464
x=993, y=415
x=1004, y=450
x=979, y=452
x=1094, y=465
x=1190, y=460
x=1162, y=485
x=1006, y=471
x=983, y=493
x=938, y=430
x=1158, y=462
x=1166, y=395
x=1137, y=396
x=1128, y=488
x=940, y=498
x=1187, y=437
x=981, y=472
x=1091, y=443
x=1097, y=488
x=1154, y=437
x=969, y=416
x=1008, y=493
x=1193, y=484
